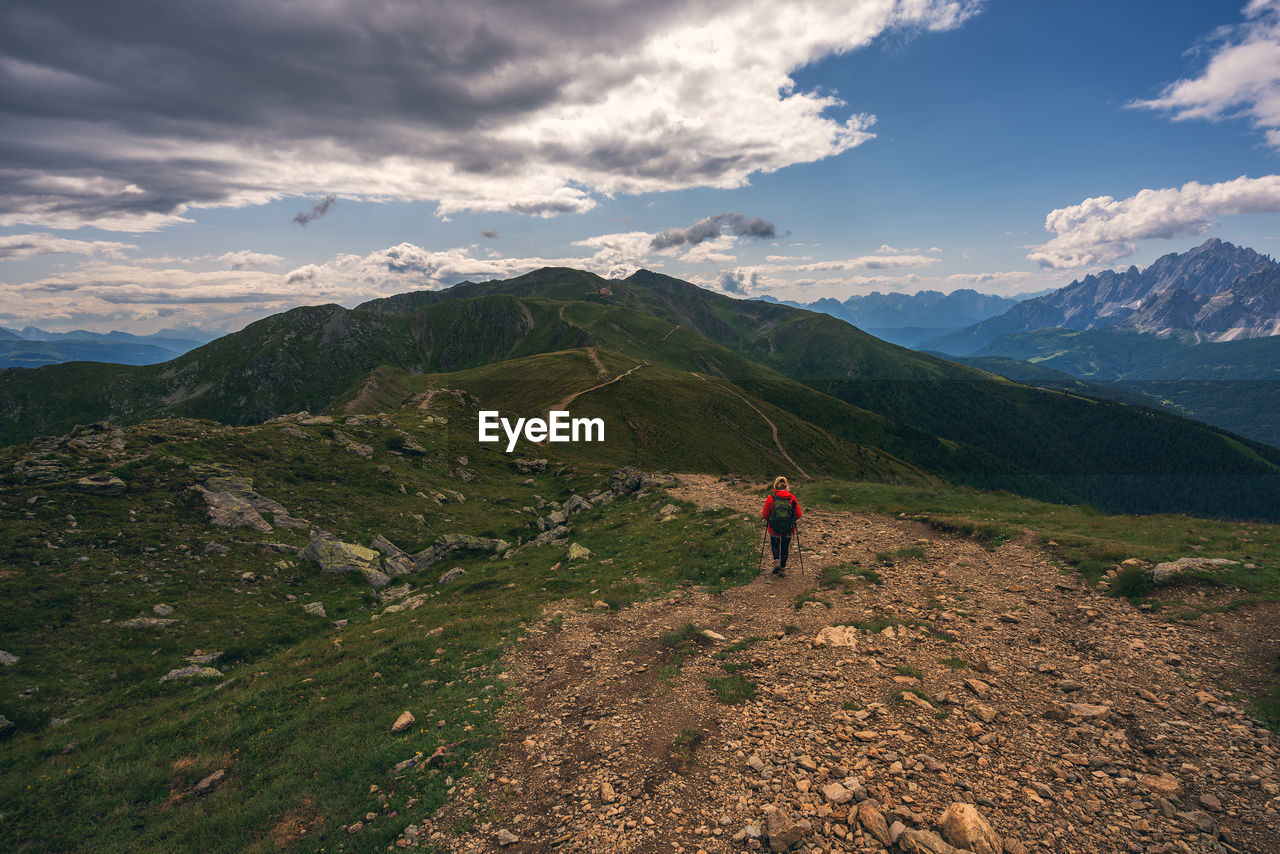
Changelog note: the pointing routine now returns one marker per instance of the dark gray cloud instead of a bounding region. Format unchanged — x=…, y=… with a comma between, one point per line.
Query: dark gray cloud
x=737, y=281
x=711, y=228
x=128, y=114
x=317, y=210
x=490, y=233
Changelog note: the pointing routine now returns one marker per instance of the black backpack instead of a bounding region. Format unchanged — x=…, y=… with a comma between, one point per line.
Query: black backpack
x=782, y=518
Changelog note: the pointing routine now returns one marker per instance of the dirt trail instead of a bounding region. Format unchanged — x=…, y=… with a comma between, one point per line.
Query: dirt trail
x=564, y=404
x=601, y=370
x=774, y=427
x=993, y=646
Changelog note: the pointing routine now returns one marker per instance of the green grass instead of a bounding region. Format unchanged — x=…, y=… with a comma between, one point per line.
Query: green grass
x=905, y=670
x=300, y=721
x=1132, y=582
x=732, y=689
x=957, y=663
x=681, y=644
x=810, y=596
x=905, y=553
x=686, y=742
x=737, y=646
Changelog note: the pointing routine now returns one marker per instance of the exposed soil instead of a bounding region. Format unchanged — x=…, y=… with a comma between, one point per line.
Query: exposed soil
x=1154, y=757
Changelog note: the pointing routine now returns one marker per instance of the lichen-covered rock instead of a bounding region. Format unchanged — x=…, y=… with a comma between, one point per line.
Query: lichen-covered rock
x=316, y=608
x=577, y=552
x=337, y=556
x=396, y=562
x=101, y=484
x=7, y=658
x=1162, y=572
x=193, y=671
x=530, y=466
x=232, y=511
x=451, y=543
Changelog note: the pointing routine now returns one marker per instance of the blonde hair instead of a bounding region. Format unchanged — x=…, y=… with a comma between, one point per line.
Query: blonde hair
x=779, y=483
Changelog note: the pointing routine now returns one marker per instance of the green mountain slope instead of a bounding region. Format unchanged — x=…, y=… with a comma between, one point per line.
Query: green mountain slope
x=1234, y=385
x=927, y=414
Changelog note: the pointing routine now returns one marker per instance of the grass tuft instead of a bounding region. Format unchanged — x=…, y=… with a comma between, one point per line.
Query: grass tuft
x=732, y=689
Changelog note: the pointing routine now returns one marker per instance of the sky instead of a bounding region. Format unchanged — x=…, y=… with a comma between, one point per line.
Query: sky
x=166, y=163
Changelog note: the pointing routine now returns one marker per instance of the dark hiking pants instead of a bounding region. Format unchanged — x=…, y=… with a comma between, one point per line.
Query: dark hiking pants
x=780, y=546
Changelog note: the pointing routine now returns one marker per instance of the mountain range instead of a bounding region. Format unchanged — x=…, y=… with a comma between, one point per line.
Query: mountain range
x=32, y=347
x=707, y=381
x=1216, y=291
x=909, y=319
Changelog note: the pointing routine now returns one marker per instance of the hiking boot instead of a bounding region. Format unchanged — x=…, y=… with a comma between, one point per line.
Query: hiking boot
x=780, y=572
x=777, y=568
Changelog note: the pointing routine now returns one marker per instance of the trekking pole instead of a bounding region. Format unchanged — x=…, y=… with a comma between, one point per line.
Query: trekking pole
x=760, y=563
x=800, y=550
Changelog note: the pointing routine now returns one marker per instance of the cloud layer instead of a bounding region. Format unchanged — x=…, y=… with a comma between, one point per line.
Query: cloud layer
x=1103, y=229
x=1241, y=78
x=129, y=115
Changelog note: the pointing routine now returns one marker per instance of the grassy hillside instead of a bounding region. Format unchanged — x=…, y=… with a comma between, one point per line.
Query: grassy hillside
x=949, y=420
x=1234, y=385
x=105, y=756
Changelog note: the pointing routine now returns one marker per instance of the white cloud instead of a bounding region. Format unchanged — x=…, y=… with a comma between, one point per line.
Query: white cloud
x=16, y=247
x=868, y=262
x=481, y=106
x=1103, y=229
x=1241, y=78
x=243, y=259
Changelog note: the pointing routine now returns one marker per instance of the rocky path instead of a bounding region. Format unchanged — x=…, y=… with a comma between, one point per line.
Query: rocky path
x=987, y=683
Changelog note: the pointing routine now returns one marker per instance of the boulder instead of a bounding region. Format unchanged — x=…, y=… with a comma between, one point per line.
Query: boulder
x=403, y=722
x=844, y=636
x=5, y=725
x=101, y=484
x=316, y=608
x=1162, y=572
x=1160, y=784
x=337, y=556
x=783, y=831
x=192, y=671
x=396, y=562
x=923, y=842
x=145, y=622
x=577, y=552
x=450, y=543
x=872, y=821
x=575, y=505
x=836, y=793
x=450, y=576
x=7, y=658
x=208, y=784
x=232, y=511
x=964, y=827
x=1086, y=710
x=530, y=466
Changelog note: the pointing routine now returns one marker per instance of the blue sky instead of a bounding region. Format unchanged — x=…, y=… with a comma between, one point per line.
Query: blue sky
x=154, y=158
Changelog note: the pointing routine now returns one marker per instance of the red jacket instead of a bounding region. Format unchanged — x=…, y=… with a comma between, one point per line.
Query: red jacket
x=768, y=509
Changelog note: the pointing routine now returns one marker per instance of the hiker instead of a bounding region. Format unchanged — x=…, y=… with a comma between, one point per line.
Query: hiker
x=781, y=510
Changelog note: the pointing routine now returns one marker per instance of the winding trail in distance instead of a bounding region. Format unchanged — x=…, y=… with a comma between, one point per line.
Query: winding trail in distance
x=772, y=426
